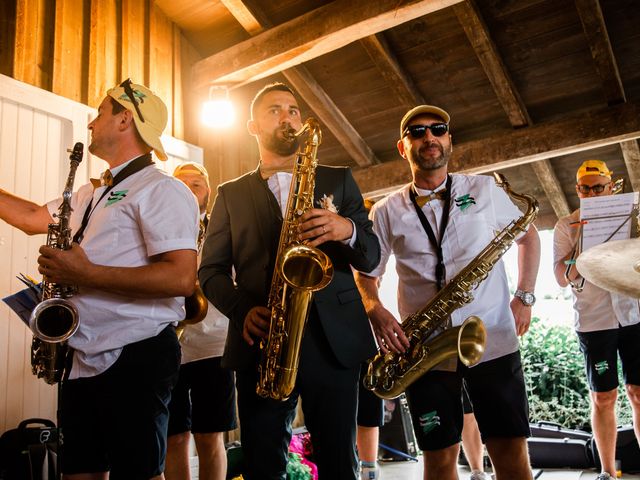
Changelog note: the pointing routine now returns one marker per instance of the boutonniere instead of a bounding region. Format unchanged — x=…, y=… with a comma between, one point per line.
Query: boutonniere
x=464, y=201
x=326, y=202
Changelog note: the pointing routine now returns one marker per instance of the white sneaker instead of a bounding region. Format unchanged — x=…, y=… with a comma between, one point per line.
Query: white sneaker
x=370, y=473
x=604, y=476
x=478, y=475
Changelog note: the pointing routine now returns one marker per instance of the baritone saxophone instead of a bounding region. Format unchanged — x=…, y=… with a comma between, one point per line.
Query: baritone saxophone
x=300, y=270
x=431, y=343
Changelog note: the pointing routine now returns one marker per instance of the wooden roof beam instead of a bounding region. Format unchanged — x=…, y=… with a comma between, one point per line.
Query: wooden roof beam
x=596, y=32
x=486, y=51
x=394, y=75
x=308, y=36
x=251, y=16
x=551, y=187
x=631, y=155
x=572, y=134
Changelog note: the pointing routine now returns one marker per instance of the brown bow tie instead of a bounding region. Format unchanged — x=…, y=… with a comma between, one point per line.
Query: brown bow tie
x=422, y=200
x=106, y=180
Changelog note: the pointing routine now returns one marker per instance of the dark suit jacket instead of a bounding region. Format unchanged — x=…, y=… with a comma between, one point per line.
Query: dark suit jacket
x=239, y=254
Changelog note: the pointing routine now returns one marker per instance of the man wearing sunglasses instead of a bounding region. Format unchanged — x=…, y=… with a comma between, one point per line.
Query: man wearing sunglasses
x=133, y=260
x=435, y=226
x=607, y=324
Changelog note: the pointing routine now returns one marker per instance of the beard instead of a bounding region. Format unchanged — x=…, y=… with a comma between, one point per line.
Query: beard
x=425, y=160
x=280, y=143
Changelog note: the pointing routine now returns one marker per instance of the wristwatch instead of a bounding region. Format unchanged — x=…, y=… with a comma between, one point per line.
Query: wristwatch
x=527, y=298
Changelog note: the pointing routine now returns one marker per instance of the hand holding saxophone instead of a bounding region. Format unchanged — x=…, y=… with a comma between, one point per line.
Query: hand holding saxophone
x=319, y=225
x=388, y=331
x=256, y=324
x=66, y=267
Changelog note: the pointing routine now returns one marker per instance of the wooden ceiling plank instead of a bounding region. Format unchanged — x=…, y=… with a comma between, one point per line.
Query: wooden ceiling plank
x=308, y=36
x=631, y=155
x=572, y=134
x=551, y=186
x=330, y=115
x=394, y=75
x=596, y=32
x=243, y=15
x=315, y=96
x=478, y=34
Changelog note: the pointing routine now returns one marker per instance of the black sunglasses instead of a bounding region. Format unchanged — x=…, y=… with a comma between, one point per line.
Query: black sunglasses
x=596, y=188
x=419, y=131
x=129, y=91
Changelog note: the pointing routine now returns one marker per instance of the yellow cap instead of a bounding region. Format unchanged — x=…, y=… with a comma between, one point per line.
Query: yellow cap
x=152, y=108
x=420, y=110
x=192, y=168
x=593, y=167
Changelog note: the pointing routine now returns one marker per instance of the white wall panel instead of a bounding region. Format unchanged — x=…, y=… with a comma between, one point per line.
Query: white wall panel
x=36, y=129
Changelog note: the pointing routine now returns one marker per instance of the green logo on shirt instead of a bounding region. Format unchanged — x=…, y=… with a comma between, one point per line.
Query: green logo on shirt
x=116, y=197
x=429, y=421
x=601, y=367
x=465, y=201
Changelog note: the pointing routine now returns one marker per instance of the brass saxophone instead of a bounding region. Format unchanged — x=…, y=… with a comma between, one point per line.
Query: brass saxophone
x=392, y=373
x=299, y=271
x=55, y=318
x=195, y=305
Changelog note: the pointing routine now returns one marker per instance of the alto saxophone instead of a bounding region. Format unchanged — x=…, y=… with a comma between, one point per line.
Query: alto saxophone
x=55, y=318
x=299, y=271
x=196, y=305
x=390, y=374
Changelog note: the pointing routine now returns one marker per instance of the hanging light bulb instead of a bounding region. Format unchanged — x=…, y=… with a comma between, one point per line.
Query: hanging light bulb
x=218, y=111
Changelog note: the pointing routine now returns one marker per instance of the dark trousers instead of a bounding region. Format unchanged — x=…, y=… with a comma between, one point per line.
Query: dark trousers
x=329, y=394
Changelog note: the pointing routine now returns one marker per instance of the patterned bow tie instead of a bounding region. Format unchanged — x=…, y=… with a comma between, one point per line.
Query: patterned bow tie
x=106, y=180
x=422, y=200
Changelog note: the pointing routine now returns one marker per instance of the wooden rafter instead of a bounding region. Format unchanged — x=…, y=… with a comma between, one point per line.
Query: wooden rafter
x=486, y=51
x=394, y=75
x=551, y=186
x=480, y=38
x=309, y=89
x=631, y=155
x=572, y=134
x=308, y=36
x=596, y=32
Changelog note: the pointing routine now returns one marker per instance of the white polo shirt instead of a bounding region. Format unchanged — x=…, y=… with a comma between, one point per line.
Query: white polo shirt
x=478, y=210
x=594, y=308
x=146, y=214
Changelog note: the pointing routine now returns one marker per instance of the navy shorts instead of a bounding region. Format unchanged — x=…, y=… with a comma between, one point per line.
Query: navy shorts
x=204, y=399
x=370, y=406
x=496, y=390
x=601, y=350
x=117, y=421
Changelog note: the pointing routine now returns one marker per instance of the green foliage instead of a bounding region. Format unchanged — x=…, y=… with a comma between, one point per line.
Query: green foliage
x=555, y=377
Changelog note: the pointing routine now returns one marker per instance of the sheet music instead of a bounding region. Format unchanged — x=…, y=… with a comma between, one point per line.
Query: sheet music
x=603, y=215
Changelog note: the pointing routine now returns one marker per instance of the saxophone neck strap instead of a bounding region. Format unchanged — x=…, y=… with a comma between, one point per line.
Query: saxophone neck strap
x=134, y=166
x=435, y=242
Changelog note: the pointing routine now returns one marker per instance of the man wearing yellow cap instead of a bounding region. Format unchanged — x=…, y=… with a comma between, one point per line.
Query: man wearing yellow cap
x=607, y=324
x=203, y=401
x=133, y=260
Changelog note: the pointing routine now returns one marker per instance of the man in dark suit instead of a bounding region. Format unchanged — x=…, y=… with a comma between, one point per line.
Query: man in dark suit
x=236, y=271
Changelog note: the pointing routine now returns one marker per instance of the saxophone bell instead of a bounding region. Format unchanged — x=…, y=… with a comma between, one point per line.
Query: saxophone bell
x=54, y=320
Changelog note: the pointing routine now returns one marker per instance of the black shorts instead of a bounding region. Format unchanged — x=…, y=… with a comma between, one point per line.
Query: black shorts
x=497, y=392
x=601, y=350
x=467, y=407
x=204, y=399
x=117, y=421
x=370, y=406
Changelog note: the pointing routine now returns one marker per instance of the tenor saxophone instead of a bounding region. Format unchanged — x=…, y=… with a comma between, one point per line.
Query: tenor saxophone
x=390, y=374
x=300, y=270
x=55, y=318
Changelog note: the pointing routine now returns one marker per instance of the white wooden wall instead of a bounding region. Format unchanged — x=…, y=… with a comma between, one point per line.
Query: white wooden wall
x=36, y=129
